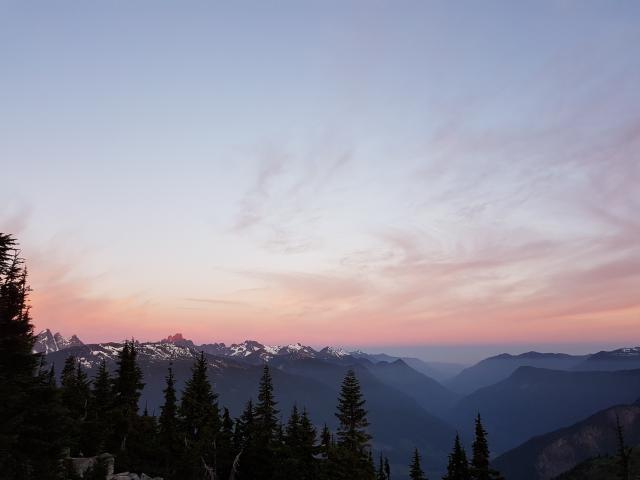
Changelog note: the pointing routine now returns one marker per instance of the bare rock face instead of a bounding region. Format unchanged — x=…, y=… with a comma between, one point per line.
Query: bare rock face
x=80, y=465
x=549, y=455
x=590, y=440
x=173, y=338
x=48, y=342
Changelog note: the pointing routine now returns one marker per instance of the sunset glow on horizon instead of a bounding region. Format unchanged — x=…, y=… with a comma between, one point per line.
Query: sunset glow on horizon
x=345, y=173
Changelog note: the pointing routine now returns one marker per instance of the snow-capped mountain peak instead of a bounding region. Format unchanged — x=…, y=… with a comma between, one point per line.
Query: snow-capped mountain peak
x=294, y=347
x=245, y=348
x=629, y=351
x=334, y=352
x=177, y=346
x=48, y=342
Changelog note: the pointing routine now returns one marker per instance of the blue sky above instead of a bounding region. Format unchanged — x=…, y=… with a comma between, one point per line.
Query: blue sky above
x=356, y=173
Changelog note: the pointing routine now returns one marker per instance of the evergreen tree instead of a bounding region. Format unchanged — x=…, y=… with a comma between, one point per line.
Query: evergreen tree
x=200, y=419
x=458, y=468
x=102, y=393
x=279, y=437
x=290, y=461
x=127, y=386
x=30, y=410
x=75, y=395
x=68, y=374
x=415, y=470
x=326, y=464
x=75, y=389
x=352, y=433
x=266, y=419
x=17, y=362
x=624, y=452
x=142, y=445
x=245, y=426
x=380, y=473
x=307, y=448
x=44, y=431
x=266, y=412
x=169, y=442
x=247, y=444
x=99, y=423
x=480, y=466
x=325, y=441
x=372, y=465
x=353, y=439
x=225, y=446
x=292, y=438
x=387, y=468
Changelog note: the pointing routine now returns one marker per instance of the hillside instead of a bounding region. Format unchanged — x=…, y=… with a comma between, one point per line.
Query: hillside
x=429, y=394
x=494, y=369
x=534, y=401
x=548, y=455
x=620, y=359
x=602, y=468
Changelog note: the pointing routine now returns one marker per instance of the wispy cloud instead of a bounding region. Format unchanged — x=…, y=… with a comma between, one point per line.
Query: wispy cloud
x=280, y=209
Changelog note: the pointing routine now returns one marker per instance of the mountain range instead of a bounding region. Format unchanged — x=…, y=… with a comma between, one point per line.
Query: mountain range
x=534, y=401
x=521, y=397
x=494, y=369
x=255, y=352
x=401, y=401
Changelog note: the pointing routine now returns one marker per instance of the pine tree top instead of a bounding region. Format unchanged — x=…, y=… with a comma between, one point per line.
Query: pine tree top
x=415, y=469
x=458, y=468
x=352, y=415
x=265, y=411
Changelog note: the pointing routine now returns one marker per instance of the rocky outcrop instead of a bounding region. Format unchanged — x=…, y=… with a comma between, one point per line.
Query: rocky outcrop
x=48, y=342
x=132, y=476
x=80, y=465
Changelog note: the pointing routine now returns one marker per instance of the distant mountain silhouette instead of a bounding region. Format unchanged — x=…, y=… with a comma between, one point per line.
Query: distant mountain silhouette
x=620, y=359
x=430, y=394
x=494, y=369
x=534, y=401
x=546, y=456
x=440, y=371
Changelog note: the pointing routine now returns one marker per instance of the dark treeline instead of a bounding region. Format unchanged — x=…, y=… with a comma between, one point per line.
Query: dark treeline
x=192, y=438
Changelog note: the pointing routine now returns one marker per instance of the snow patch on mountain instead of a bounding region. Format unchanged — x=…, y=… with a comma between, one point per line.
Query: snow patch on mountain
x=627, y=352
x=334, y=352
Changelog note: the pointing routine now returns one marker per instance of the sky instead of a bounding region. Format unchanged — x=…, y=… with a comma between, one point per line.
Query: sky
x=439, y=178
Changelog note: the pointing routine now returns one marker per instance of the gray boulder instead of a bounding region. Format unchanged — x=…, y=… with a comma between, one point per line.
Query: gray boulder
x=80, y=465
